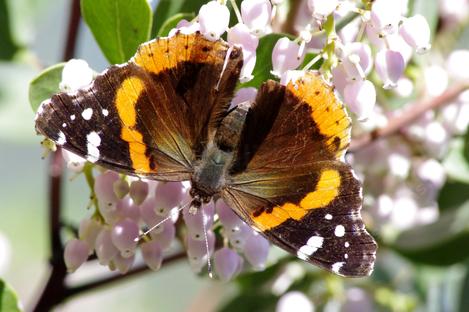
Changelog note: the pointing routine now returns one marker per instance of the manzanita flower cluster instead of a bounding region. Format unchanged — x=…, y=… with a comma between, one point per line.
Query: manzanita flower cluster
x=379, y=38
x=128, y=208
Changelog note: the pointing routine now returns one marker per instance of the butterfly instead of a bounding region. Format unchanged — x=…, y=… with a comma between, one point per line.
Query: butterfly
x=278, y=163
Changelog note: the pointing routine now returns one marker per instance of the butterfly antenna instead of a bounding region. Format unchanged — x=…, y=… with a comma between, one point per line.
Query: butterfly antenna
x=161, y=222
x=209, y=263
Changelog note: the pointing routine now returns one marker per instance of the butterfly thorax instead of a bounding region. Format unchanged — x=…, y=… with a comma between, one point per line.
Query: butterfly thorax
x=213, y=166
x=208, y=176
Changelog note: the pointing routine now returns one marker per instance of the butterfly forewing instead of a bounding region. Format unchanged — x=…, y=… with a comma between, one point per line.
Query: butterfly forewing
x=151, y=116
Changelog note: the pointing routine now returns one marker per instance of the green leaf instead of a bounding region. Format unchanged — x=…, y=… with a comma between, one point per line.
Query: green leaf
x=8, y=46
x=45, y=85
x=8, y=299
x=167, y=8
x=172, y=22
x=441, y=243
x=453, y=195
x=455, y=163
x=308, y=58
x=250, y=302
x=253, y=281
x=464, y=295
x=466, y=146
x=264, y=60
x=119, y=26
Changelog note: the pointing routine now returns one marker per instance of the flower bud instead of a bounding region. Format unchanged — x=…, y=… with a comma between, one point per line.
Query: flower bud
x=105, y=249
x=322, y=8
x=123, y=236
x=126, y=208
x=213, y=19
x=74, y=162
x=291, y=76
x=147, y=212
x=185, y=27
x=121, y=188
x=358, y=299
x=197, y=264
x=109, y=212
x=339, y=78
x=458, y=64
x=385, y=16
x=256, y=250
x=123, y=264
x=227, y=263
x=168, y=195
x=195, y=222
x=256, y=14
x=244, y=95
x=356, y=59
x=389, y=65
x=227, y=216
x=166, y=236
x=239, y=35
x=197, y=249
x=75, y=254
x=138, y=191
x=152, y=254
x=416, y=32
x=75, y=75
x=103, y=187
x=239, y=235
x=360, y=96
x=433, y=172
x=88, y=231
x=294, y=299
x=285, y=56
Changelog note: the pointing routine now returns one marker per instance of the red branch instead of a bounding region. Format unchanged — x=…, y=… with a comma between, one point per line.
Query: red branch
x=408, y=117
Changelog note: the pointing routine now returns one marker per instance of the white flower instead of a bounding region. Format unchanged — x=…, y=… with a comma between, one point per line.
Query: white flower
x=75, y=75
x=213, y=19
x=416, y=32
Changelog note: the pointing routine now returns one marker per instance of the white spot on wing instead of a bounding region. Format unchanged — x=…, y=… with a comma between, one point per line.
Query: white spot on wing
x=61, y=140
x=307, y=250
x=105, y=112
x=328, y=216
x=315, y=241
x=347, y=244
x=72, y=117
x=64, y=125
x=93, y=138
x=337, y=266
x=93, y=141
x=87, y=113
x=339, y=230
x=301, y=255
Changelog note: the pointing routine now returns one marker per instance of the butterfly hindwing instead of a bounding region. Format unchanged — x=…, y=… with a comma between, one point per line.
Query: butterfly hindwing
x=153, y=115
x=289, y=182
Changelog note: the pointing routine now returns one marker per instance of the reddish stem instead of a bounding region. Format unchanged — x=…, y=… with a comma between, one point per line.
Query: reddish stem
x=413, y=113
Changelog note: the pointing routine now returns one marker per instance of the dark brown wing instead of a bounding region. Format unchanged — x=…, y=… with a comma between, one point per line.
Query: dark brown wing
x=289, y=182
x=310, y=211
x=300, y=123
x=153, y=115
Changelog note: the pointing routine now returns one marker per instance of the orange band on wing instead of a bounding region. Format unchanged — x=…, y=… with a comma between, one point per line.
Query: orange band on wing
x=126, y=100
x=328, y=112
x=326, y=191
